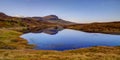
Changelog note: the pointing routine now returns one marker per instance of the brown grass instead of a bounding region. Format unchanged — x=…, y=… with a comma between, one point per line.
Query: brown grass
x=93, y=53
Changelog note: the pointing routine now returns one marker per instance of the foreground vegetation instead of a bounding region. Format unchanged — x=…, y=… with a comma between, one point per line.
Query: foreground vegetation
x=93, y=53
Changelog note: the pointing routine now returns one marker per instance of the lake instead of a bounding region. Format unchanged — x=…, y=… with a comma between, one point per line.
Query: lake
x=68, y=39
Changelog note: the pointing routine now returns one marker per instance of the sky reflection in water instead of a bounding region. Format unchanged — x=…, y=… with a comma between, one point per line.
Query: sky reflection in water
x=70, y=39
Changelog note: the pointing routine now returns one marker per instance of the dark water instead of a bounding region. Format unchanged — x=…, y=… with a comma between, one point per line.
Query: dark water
x=70, y=39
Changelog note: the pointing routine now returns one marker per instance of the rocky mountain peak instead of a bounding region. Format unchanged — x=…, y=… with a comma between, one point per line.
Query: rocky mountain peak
x=51, y=17
x=2, y=14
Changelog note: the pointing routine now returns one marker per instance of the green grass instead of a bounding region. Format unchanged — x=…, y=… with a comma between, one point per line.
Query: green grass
x=10, y=39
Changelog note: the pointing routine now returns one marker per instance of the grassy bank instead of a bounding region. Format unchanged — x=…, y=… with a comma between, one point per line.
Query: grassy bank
x=93, y=53
x=9, y=39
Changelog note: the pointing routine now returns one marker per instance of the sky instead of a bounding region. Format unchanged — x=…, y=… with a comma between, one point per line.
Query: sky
x=80, y=11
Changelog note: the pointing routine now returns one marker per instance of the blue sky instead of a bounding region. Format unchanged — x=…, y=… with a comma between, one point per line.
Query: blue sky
x=71, y=10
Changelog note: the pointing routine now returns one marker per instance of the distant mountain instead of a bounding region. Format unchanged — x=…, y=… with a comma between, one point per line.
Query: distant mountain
x=10, y=21
x=53, y=19
x=3, y=15
x=50, y=19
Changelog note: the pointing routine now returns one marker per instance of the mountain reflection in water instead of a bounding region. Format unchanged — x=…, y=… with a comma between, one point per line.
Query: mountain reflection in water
x=51, y=30
x=58, y=39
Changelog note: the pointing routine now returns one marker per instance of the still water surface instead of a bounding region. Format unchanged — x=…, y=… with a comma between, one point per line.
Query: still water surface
x=70, y=39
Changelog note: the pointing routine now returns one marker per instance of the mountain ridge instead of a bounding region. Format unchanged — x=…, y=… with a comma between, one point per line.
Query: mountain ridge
x=48, y=18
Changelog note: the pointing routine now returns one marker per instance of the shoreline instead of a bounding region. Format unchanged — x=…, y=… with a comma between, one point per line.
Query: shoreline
x=90, y=53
